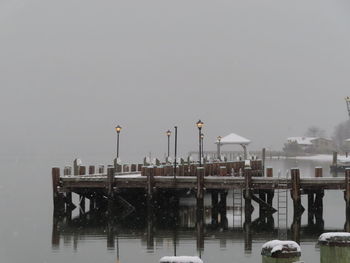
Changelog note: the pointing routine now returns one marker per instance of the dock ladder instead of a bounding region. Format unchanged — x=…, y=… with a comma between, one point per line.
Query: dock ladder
x=282, y=206
x=238, y=205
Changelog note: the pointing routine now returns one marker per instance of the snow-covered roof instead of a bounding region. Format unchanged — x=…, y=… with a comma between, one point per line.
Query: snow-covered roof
x=302, y=140
x=180, y=259
x=233, y=138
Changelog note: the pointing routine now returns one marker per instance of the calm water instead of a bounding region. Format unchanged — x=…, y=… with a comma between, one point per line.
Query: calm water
x=29, y=232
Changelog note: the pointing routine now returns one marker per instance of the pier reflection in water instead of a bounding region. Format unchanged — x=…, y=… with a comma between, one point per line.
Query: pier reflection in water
x=174, y=221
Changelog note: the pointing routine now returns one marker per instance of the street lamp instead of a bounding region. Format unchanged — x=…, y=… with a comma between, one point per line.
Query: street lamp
x=118, y=129
x=200, y=125
x=168, y=133
x=219, y=145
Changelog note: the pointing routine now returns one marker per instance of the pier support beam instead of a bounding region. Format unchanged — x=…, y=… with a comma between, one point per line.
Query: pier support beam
x=214, y=207
x=200, y=184
x=58, y=198
x=248, y=195
x=150, y=183
x=296, y=193
x=347, y=197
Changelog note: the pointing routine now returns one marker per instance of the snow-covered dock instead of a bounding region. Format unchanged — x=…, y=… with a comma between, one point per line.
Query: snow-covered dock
x=149, y=182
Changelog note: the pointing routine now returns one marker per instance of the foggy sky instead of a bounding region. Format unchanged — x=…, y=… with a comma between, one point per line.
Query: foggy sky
x=72, y=70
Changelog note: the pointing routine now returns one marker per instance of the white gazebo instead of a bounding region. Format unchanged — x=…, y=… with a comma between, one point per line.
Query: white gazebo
x=235, y=139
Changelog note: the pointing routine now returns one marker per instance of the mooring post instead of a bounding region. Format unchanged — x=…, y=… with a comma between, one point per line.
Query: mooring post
x=347, y=194
x=110, y=179
x=69, y=204
x=150, y=171
x=248, y=194
x=296, y=193
x=58, y=201
x=335, y=158
x=200, y=183
x=55, y=184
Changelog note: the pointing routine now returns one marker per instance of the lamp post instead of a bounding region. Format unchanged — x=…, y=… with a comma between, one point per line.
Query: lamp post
x=175, y=152
x=199, y=126
x=118, y=129
x=168, y=133
x=202, y=144
x=219, y=145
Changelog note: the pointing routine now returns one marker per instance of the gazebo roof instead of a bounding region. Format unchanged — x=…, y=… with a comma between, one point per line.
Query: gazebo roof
x=233, y=138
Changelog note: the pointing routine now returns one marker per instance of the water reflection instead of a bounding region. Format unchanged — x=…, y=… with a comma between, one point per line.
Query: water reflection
x=153, y=224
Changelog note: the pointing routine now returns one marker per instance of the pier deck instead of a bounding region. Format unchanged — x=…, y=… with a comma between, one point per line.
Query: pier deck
x=189, y=182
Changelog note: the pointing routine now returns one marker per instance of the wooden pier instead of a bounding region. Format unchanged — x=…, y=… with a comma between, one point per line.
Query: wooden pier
x=149, y=183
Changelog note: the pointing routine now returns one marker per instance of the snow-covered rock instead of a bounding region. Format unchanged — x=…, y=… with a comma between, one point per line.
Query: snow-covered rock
x=334, y=238
x=180, y=259
x=276, y=248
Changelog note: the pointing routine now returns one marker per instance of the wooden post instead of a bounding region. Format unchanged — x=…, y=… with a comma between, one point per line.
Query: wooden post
x=76, y=164
x=318, y=172
x=263, y=154
x=347, y=194
x=214, y=207
x=150, y=182
x=310, y=207
x=92, y=169
x=295, y=191
x=335, y=158
x=101, y=169
x=110, y=180
x=248, y=194
x=55, y=184
x=200, y=183
x=269, y=172
x=319, y=206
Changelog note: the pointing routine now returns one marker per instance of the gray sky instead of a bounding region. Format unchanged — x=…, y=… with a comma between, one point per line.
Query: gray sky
x=265, y=69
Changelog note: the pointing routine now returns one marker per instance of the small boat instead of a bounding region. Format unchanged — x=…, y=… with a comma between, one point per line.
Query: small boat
x=180, y=259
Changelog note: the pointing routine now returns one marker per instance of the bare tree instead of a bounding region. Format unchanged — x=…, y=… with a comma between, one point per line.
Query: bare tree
x=341, y=133
x=315, y=131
